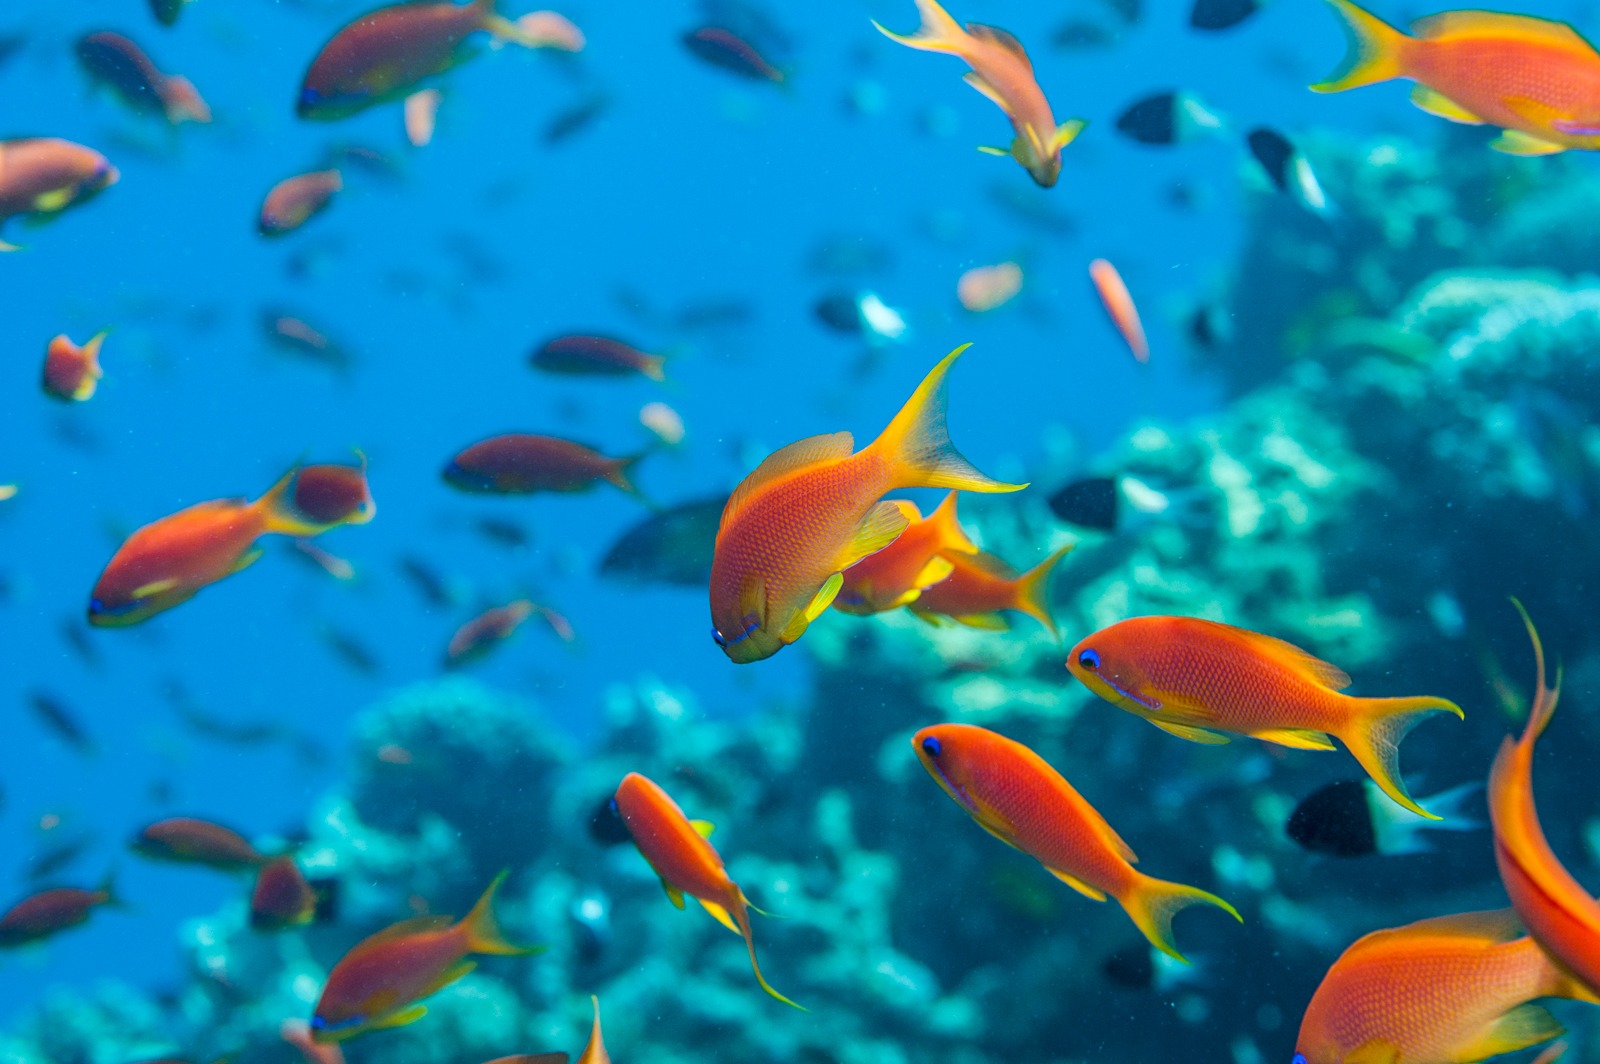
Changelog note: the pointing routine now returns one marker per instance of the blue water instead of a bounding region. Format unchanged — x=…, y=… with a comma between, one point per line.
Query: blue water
x=692, y=188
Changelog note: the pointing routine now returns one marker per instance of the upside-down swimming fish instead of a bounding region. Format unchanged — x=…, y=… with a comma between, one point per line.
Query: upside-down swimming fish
x=386, y=54
x=1558, y=912
x=378, y=983
x=122, y=66
x=1001, y=71
x=812, y=510
x=915, y=561
x=1448, y=990
x=166, y=562
x=980, y=586
x=41, y=176
x=71, y=372
x=1199, y=679
x=1016, y=796
x=1536, y=79
x=678, y=851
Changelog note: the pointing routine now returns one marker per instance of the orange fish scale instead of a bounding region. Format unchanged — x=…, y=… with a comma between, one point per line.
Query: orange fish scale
x=1242, y=691
x=1479, y=73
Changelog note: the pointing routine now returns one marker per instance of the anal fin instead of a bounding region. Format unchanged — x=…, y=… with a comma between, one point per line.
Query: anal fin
x=722, y=915
x=1077, y=884
x=1296, y=738
x=1437, y=103
x=1516, y=142
x=1191, y=733
x=401, y=1018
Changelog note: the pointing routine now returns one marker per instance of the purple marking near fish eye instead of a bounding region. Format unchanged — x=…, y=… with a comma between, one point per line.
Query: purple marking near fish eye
x=1148, y=703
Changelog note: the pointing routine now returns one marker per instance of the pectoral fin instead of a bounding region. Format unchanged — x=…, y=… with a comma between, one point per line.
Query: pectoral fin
x=1066, y=133
x=1296, y=738
x=990, y=149
x=1191, y=733
x=703, y=828
x=814, y=609
x=979, y=82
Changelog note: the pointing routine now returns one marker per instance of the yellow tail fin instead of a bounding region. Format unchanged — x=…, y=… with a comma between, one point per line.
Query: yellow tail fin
x=1152, y=903
x=483, y=930
x=1373, y=735
x=916, y=446
x=938, y=32
x=1377, y=51
x=1033, y=590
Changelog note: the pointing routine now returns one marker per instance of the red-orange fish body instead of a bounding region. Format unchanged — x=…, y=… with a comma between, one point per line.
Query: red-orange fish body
x=41, y=176
x=1536, y=79
x=293, y=201
x=899, y=573
x=1559, y=913
x=981, y=585
x=479, y=636
x=679, y=852
x=1199, y=680
x=1016, y=796
x=523, y=463
x=386, y=54
x=283, y=898
x=71, y=373
x=190, y=840
x=120, y=64
x=326, y=496
x=377, y=983
x=41, y=915
x=1449, y=989
x=812, y=510
x=1114, y=296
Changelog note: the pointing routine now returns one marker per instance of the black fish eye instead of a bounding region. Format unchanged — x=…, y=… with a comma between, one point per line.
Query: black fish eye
x=1090, y=659
x=932, y=747
x=716, y=637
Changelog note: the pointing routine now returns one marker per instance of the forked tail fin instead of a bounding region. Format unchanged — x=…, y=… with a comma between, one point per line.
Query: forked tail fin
x=1373, y=734
x=1152, y=903
x=1376, y=51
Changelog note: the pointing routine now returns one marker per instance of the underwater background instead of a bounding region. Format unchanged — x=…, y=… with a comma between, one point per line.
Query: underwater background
x=1384, y=427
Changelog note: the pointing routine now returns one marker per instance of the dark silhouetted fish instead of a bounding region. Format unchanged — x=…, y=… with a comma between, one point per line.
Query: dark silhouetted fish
x=1221, y=14
x=61, y=721
x=1092, y=502
x=1354, y=818
x=1167, y=118
x=577, y=118
x=671, y=547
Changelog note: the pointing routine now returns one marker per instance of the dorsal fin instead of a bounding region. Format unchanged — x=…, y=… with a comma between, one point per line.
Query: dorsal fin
x=809, y=451
x=1289, y=655
x=1003, y=38
x=1496, y=925
x=417, y=925
x=1497, y=24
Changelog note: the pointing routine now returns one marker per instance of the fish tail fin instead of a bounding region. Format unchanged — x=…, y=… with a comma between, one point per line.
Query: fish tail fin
x=621, y=471
x=654, y=367
x=483, y=930
x=1545, y=698
x=1400, y=831
x=741, y=915
x=1374, y=732
x=280, y=512
x=108, y=887
x=1376, y=51
x=1033, y=590
x=938, y=32
x=1152, y=903
x=916, y=446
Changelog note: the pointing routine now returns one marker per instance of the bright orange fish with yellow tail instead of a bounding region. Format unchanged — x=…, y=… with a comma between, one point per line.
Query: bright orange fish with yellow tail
x=1558, y=912
x=1198, y=679
x=812, y=510
x=900, y=572
x=1016, y=796
x=1448, y=990
x=1002, y=71
x=1538, y=80
x=679, y=852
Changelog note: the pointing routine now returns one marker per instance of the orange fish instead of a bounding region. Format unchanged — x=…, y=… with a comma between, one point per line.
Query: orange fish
x=1558, y=912
x=520, y=463
x=1442, y=991
x=41, y=915
x=484, y=632
x=121, y=65
x=1119, y=304
x=900, y=572
x=41, y=176
x=292, y=202
x=190, y=840
x=812, y=510
x=593, y=1053
x=679, y=852
x=1198, y=679
x=986, y=288
x=1016, y=796
x=327, y=496
x=166, y=562
x=1001, y=71
x=422, y=115
x=980, y=586
x=377, y=983
x=1537, y=80
x=283, y=897
x=72, y=372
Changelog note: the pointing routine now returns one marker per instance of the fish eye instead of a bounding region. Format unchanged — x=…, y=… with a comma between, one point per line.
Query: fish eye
x=1090, y=659
x=932, y=747
x=1299, y=1058
x=614, y=810
x=716, y=637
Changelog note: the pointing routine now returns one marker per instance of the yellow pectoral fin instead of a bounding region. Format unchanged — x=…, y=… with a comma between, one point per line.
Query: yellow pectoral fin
x=977, y=81
x=796, y=626
x=1077, y=884
x=1066, y=133
x=401, y=1018
x=989, y=149
x=1191, y=733
x=703, y=828
x=53, y=200
x=1516, y=142
x=1296, y=738
x=722, y=915
x=673, y=893
x=934, y=571
x=154, y=588
x=1437, y=103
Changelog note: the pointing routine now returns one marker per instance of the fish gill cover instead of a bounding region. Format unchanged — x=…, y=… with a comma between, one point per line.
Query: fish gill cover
x=1367, y=419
